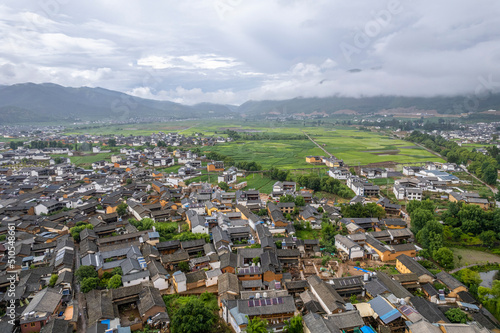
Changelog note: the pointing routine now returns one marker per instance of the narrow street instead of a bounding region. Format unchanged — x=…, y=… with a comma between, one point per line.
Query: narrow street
x=82, y=305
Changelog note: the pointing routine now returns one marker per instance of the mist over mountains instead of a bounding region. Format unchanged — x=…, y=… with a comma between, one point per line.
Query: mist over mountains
x=29, y=103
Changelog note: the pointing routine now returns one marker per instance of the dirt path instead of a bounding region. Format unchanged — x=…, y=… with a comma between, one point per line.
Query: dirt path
x=317, y=144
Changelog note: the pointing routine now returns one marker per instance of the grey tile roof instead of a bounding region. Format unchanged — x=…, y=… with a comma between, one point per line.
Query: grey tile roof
x=229, y=260
x=449, y=281
x=135, y=276
x=394, y=286
x=57, y=326
x=413, y=265
x=327, y=293
x=193, y=243
x=156, y=268
x=44, y=301
x=65, y=277
x=317, y=324
x=228, y=282
x=428, y=310
x=129, y=265
x=375, y=287
x=347, y=320
x=195, y=276
x=149, y=298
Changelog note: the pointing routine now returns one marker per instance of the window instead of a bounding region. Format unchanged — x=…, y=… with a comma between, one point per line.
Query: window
x=33, y=324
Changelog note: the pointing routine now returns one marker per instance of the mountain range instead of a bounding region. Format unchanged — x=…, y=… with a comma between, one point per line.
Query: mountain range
x=48, y=102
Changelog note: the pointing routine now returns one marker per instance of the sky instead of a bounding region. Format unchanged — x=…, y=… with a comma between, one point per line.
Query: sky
x=231, y=51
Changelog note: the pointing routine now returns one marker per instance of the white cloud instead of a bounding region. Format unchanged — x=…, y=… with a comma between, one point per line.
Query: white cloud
x=197, y=61
x=188, y=96
x=191, y=52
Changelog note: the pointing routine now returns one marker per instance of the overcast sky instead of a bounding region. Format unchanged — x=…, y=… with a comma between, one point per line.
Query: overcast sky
x=231, y=51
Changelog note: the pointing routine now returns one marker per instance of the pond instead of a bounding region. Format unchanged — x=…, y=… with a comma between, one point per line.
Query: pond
x=487, y=278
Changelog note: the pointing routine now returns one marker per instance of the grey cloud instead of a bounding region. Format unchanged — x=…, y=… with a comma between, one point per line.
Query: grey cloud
x=229, y=51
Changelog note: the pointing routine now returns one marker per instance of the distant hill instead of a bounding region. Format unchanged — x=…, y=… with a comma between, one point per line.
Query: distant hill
x=329, y=105
x=29, y=102
x=49, y=102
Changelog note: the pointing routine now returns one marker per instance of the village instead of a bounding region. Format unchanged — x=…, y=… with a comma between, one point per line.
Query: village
x=101, y=249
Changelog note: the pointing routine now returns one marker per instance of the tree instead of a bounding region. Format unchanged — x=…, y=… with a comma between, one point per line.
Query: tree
x=360, y=210
x=262, y=212
x=75, y=231
x=327, y=240
x=325, y=260
x=117, y=271
x=488, y=237
x=112, y=142
x=431, y=236
x=224, y=186
x=257, y=325
x=444, y=256
x=122, y=209
x=115, y=282
x=419, y=218
x=455, y=315
x=85, y=272
x=471, y=226
x=193, y=317
x=426, y=204
x=489, y=175
x=375, y=210
x=89, y=284
x=470, y=277
x=470, y=212
x=53, y=280
x=287, y=198
x=299, y=201
x=256, y=260
x=456, y=233
x=184, y=266
x=294, y=325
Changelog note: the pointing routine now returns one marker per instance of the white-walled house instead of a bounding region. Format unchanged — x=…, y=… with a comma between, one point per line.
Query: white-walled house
x=158, y=275
x=350, y=248
x=135, y=278
x=212, y=277
x=180, y=281
x=50, y=206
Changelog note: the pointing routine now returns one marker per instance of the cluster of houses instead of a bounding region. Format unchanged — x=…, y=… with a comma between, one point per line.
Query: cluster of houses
x=130, y=147
x=472, y=133
x=409, y=184
x=245, y=251
x=29, y=131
